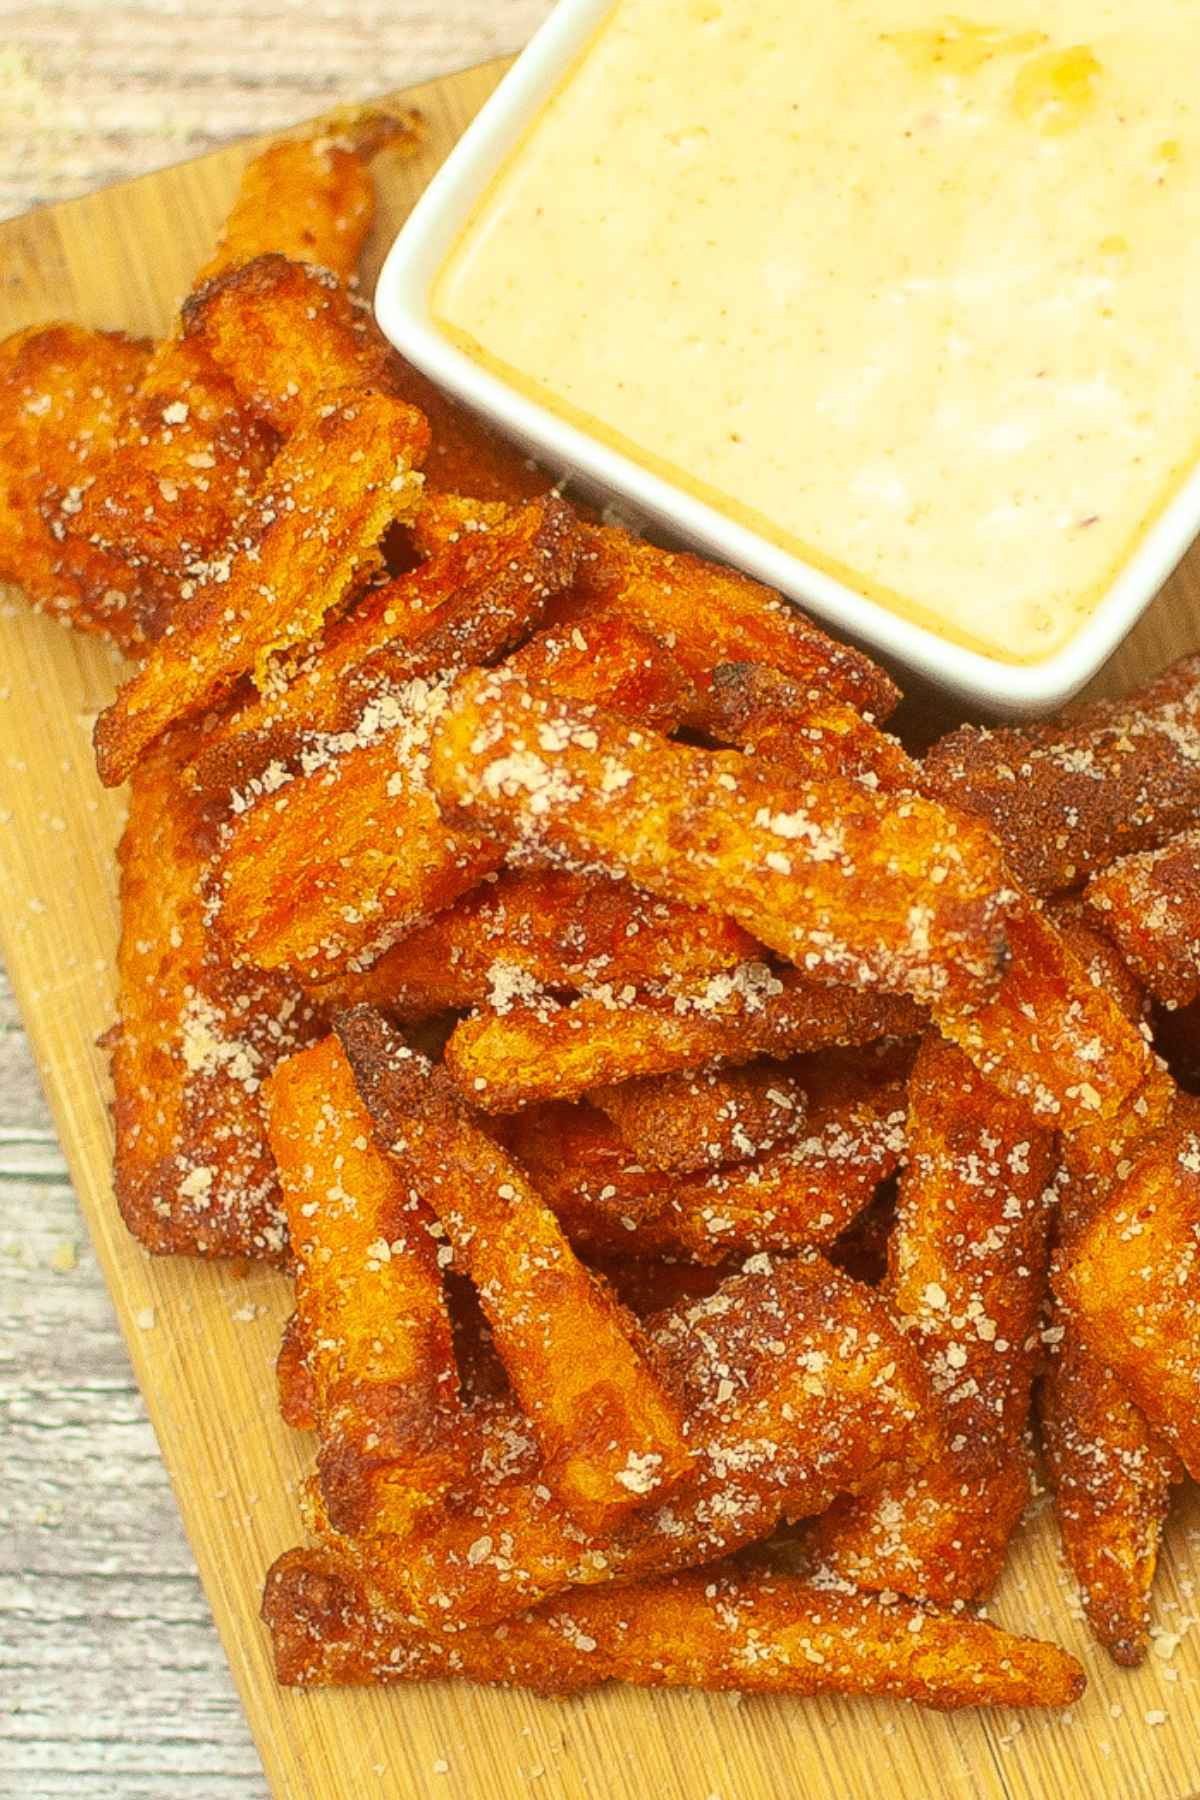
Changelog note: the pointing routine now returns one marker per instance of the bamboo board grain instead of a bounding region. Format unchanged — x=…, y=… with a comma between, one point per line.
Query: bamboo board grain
x=203, y=1339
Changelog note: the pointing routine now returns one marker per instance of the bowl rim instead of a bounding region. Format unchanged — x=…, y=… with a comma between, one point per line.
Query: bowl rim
x=404, y=315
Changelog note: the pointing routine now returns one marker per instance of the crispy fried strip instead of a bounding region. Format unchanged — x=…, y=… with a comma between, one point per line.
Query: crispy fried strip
x=287, y=335
x=1049, y=1038
x=447, y=520
x=898, y=895
x=1149, y=904
x=506, y=1060
x=192, y=455
x=1103, y=963
x=710, y=615
x=183, y=471
x=1068, y=796
x=967, y=1265
x=1128, y=1279
x=802, y=1195
x=610, y=1433
x=466, y=604
x=63, y=394
x=333, y=490
x=1112, y=1484
x=718, y=1628
x=194, y=1172
x=1109, y=1474
x=370, y=1302
x=312, y=197
x=613, y=660
x=331, y=870
x=779, y=720
x=688, y=1122
x=530, y=929
x=795, y=1384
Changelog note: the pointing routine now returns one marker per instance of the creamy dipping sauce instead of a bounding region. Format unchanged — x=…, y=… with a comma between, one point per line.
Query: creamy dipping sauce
x=916, y=297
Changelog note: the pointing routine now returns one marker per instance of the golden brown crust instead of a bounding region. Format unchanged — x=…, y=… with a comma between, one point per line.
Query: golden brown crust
x=745, y=1630
x=370, y=1300
x=795, y=1385
x=308, y=532
x=467, y=603
x=710, y=615
x=1085, y=1063
x=194, y=1172
x=293, y=1378
x=311, y=197
x=507, y=1059
x=64, y=395
x=966, y=1276
x=287, y=335
x=1112, y=1484
x=1068, y=796
x=609, y=1432
x=799, y=1196
x=694, y=1121
x=527, y=930
x=1127, y=1281
x=182, y=471
x=761, y=710
x=899, y=896
x=1149, y=904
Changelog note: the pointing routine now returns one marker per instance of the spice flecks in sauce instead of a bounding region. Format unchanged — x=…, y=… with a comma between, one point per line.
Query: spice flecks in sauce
x=913, y=299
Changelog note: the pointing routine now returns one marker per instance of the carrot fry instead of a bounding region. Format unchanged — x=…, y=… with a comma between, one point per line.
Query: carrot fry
x=468, y=461
x=802, y=1195
x=370, y=1300
x=334, y=868
x=610, y=1433
x=508, y=1059
x=63, y=395
x=312, y=197
x=721, y=1628
x=194, y=1172
x=699, y=1120
x=1102, y=962
x=333, y=490
x=1048, y=1037
x=710, y=615
x=784, y=723
x=530, y=929
x=328, y=868
x=192, y=454
x=967, y=1266
x=182, y=472
x=894, y=895
x=466, y=604
x=1149, y=904
x=1068, y=796
x=1127, y=1281
x=1112, y=1484
x=795, y=1384
x=288, y=336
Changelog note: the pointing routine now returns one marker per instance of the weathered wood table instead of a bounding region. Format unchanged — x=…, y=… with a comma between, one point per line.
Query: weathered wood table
x=112, y=1682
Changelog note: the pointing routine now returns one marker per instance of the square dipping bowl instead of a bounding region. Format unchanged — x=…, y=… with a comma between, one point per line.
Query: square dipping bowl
x=403, y=308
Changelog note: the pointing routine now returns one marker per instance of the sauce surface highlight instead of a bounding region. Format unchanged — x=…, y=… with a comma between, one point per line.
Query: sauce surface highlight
x=913, y=297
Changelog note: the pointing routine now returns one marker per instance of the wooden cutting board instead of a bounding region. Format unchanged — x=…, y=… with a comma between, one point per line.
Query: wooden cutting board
x=203, y=1339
